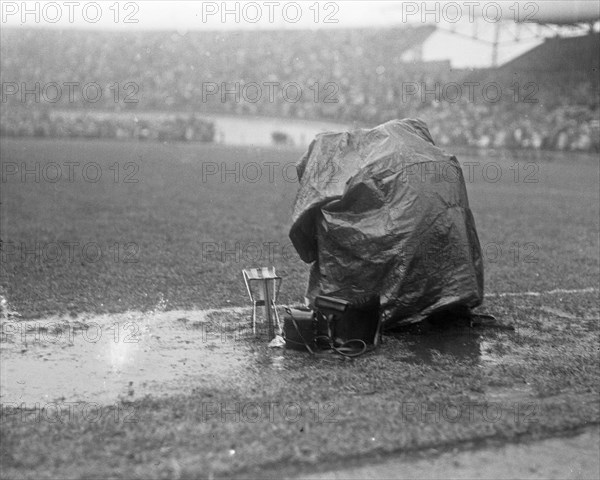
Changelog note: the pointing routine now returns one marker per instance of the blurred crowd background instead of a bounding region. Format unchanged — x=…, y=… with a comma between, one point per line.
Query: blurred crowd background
x=163, y=85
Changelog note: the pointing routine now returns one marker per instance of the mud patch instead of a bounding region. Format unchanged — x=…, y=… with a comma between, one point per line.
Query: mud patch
x=105, y=359
x=557, y=458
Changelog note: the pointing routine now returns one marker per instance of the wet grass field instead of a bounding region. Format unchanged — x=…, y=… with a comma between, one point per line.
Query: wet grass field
x=180, y=222
x=97, y=228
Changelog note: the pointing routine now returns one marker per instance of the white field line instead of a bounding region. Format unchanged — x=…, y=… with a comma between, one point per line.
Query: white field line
x=547, y=292
x=202, y=313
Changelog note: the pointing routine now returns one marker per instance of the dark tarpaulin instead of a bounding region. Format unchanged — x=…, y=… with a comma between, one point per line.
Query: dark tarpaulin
x=385, y=211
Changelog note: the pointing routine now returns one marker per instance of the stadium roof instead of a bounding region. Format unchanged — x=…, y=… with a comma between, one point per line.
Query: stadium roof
x=560, y=54
x=567, y=13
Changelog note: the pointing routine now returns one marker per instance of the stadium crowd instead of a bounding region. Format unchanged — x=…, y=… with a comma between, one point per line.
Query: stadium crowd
x=27, y=122
x=106, y=81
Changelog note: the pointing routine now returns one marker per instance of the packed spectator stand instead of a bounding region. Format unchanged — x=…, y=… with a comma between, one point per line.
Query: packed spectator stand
x=158, y=85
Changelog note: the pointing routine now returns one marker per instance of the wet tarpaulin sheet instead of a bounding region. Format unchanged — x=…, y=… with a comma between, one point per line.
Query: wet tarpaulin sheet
x=385, y=211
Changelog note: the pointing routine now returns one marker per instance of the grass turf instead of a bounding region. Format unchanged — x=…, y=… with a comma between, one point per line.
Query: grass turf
x=536, y=236
x=179, y=236
x=540, y=379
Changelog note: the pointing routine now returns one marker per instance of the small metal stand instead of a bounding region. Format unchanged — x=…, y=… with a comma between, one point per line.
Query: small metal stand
x=268, y=285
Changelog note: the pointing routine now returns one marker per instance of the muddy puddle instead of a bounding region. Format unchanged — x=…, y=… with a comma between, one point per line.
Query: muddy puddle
x=104, y=359
x=425, y=342
x=463, y=344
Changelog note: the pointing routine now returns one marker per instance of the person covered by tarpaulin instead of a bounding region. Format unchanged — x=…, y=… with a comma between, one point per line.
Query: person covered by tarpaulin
x=384, y=211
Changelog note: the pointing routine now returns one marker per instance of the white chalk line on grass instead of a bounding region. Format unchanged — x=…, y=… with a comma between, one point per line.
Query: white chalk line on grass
x=203, y=313
x=487, y=295
x=556, y=291
x=547, y=292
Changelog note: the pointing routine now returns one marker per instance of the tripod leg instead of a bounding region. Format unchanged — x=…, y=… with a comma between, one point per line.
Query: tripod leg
x=277, y=317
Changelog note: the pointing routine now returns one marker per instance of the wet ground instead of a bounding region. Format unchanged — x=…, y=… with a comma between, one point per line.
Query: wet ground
x=428, y=386
x=574, y=457
x=107, y=358
x=103, y=359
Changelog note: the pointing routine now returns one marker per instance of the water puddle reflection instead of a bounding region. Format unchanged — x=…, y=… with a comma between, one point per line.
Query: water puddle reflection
x=108, y=358
x=426, y=342
x=463, y=344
